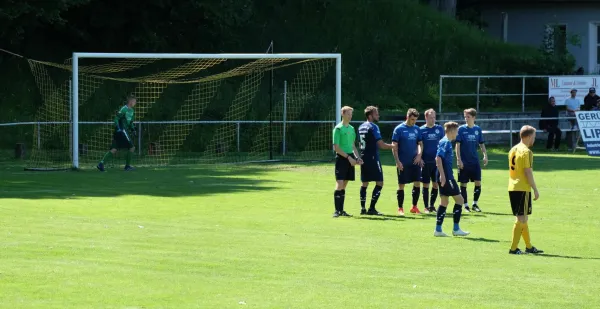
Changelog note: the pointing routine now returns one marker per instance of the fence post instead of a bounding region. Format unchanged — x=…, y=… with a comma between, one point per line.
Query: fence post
x=523, y=96
x=284, y=113
x=441, y=87
x=511, y=132
x=478, y=85
x=139, y=131
x=238, y=135
x=39, y=138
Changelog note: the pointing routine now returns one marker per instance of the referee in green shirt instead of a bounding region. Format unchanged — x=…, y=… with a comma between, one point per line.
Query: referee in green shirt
x=344, y=139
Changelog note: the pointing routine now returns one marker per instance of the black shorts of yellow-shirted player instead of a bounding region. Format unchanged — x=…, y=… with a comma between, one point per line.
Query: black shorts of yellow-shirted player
x=122, y=135
x=408, y=148
x=344, y=145
x=370, y=171
x=446, y=182
x=469, y=138
x=520, y=184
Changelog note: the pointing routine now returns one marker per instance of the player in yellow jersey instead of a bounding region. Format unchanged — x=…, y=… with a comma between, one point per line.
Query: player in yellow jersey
x=520, y=183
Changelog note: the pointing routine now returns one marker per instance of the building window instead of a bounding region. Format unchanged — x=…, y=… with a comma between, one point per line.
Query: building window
x=556, y=39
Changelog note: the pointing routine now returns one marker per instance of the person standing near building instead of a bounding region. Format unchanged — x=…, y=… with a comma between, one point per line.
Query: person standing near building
x=551, y=125
x=573, y=105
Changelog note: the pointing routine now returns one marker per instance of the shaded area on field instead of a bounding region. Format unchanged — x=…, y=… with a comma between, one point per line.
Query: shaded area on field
x=162, y=182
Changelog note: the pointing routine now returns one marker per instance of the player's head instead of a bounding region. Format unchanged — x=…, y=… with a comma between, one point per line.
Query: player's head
x=470, y=114
x=573, y=93
x=347, y=113
x=131, y=100
x=552, y=101
x=527, y=134
x=430, y=117
x=411, y=116
x=372, y=113
x=451, y=130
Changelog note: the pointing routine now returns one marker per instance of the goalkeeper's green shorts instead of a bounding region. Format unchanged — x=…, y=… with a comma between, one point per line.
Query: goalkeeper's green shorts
x=121, y=140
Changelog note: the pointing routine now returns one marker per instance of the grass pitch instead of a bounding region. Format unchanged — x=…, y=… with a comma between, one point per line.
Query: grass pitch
x=262, y=236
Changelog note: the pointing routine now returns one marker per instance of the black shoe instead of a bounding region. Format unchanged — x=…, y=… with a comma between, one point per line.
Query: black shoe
x=516, y=251
x=363, y=211
x=432, y=209
x=128, y=168
x=373, y=212
x=476, y=208
x=336, y=214
x=345, y=214
x=533, y=250
x=467, y=209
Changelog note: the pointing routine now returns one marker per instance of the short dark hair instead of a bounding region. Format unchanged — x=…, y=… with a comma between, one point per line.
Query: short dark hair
x=369, y=111
x=450, y=126
x=471, y=111
x=412, y=112
x=131, y=97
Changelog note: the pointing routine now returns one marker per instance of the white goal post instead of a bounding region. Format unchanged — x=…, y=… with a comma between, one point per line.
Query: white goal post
x=183, y=56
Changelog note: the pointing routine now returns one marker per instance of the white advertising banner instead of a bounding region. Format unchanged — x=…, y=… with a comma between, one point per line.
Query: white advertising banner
x=560, y=87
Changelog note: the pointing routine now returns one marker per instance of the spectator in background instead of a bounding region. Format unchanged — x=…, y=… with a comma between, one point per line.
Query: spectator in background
x=573, y=105
x=590, y=102
x=551, y=125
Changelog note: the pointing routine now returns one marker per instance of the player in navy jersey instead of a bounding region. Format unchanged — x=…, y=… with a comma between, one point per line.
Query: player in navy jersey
x=448, y=186
x=431, y=134
x=407, y=153
x=370, y=143
x=469, y=138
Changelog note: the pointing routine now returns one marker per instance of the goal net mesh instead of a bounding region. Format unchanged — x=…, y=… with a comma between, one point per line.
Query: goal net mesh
x=188, y=111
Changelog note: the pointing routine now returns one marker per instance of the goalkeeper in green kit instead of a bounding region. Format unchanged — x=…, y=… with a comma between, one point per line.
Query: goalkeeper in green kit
x=123, y=134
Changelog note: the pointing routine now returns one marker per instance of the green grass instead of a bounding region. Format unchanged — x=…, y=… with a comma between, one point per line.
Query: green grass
x=212, y=237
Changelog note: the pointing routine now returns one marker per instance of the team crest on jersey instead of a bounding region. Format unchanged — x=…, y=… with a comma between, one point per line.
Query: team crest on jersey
x=437, y=131
x=476, y=132
x=416, y=131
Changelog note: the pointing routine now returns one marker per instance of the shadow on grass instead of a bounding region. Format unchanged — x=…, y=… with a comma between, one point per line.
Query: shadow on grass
x=566, y=256
x=483, y=214
x=480, y=239
x=386, y=217
x=163, y=182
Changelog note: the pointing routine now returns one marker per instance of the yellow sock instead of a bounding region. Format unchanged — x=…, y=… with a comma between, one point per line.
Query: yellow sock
x=516, y=235
x=526, y=235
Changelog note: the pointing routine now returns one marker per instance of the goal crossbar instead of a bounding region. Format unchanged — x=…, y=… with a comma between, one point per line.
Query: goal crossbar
x=80, y=55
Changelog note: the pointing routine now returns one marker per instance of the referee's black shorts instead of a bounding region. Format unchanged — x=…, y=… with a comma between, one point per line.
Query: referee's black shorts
x=343, y=169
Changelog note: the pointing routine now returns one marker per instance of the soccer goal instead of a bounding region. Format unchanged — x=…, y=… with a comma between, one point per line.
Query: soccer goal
x=191, y=108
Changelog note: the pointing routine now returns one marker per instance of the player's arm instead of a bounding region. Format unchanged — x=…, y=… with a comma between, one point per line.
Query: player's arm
x=484, y=151
x=396, y=149
x=336, y=146
x=418, y=159
x=458, y=160
x=529, y=175
x=440, y=168
x=383, y=145
x=118, y=120
x=356, y=154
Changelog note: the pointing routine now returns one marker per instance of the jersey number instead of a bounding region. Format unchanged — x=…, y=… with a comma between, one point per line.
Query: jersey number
x=363, y=144
x=513, y=163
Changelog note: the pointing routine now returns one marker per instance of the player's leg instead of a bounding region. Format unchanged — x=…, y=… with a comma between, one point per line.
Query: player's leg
x=457, y=213
x=557, y=138
x=525, y=226
x=550, y=139
x=415, y=178
x=517, y=205
x=463, y=178
x=375, y=197
x=363, y=196
x=476, y=178
x=402, y=181
x=128, y=156
x=434, y=194
x=441, y=213
x=425, y=179
x=106, y=157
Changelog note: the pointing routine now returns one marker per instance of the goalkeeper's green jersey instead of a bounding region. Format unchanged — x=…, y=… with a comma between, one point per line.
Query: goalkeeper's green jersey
x=124, y=118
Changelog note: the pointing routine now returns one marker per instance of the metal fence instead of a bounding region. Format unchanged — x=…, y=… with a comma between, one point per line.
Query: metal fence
x=478, y=93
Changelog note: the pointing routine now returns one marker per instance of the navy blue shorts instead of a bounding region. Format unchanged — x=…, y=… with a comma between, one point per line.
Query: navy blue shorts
x=469, y=173
x=450, y=188
x=371, y=170
x=409, y=174
x=428, y=173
